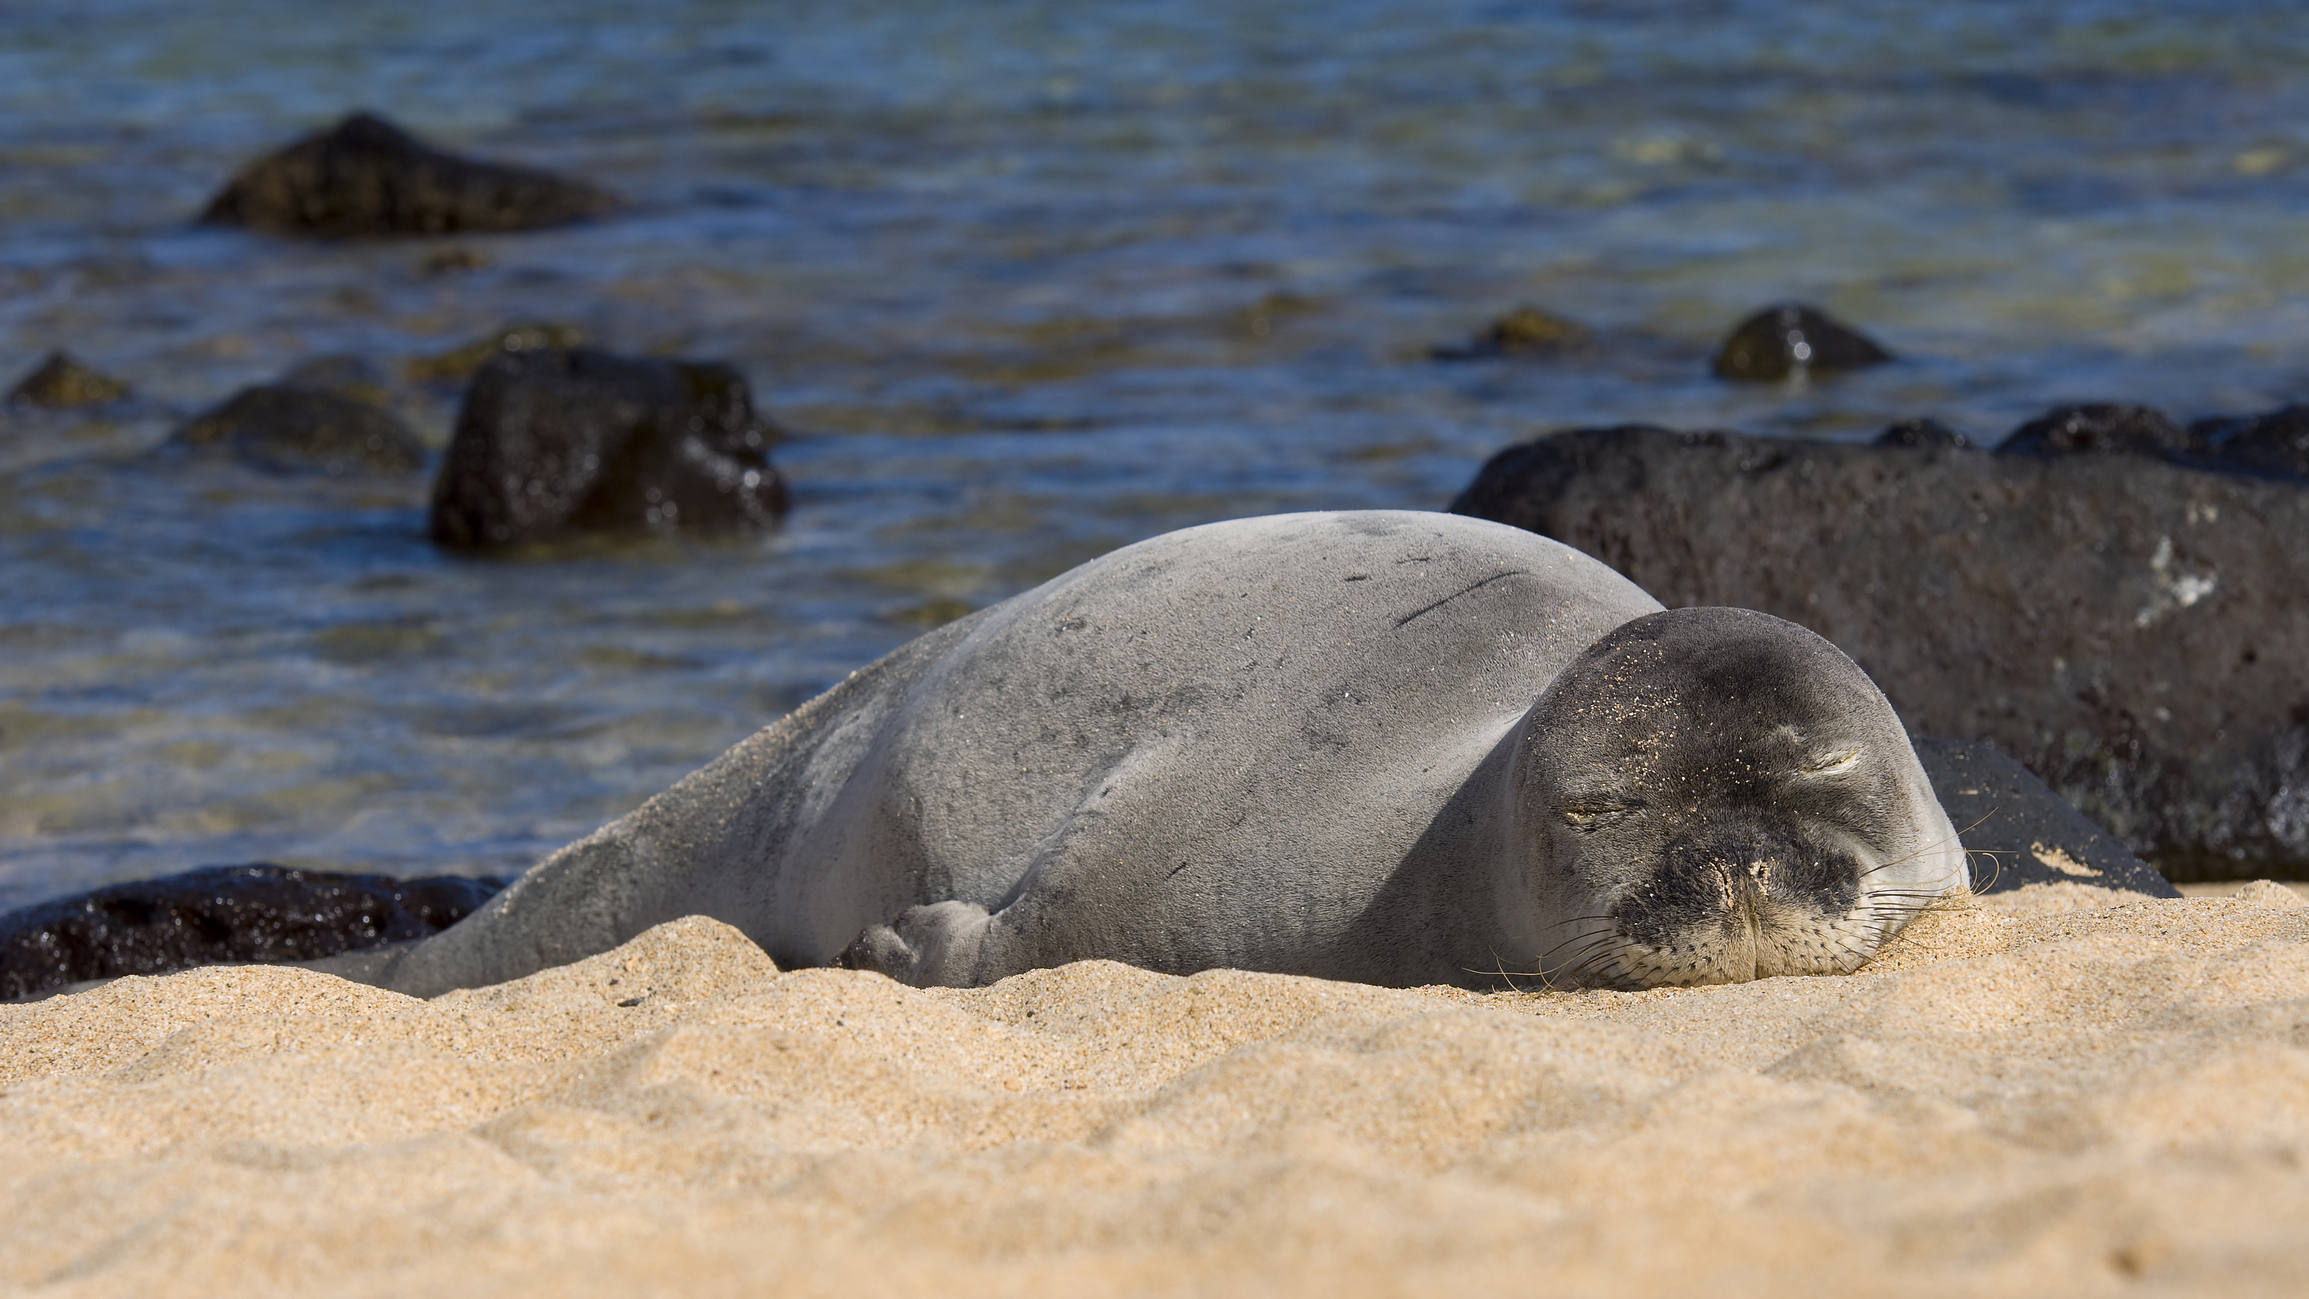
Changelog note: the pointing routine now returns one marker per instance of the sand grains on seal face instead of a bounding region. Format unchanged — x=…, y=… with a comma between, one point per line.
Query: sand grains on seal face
x=2040, y=1094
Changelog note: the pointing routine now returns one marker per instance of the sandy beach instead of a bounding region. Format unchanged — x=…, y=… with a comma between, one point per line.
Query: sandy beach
x=2059, y=1091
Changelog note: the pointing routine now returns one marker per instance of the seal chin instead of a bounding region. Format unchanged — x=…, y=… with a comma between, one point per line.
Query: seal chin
x=1728, y=907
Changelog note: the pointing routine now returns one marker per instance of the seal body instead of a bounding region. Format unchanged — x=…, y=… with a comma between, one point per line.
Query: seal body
x=1393, y=747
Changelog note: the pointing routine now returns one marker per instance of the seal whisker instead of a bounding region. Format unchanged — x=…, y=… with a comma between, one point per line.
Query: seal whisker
x=1586, y=959
x=1499, y=970
x=1934, y=846
x=1581, y=948
x=1601, y=936
x=1994, y=856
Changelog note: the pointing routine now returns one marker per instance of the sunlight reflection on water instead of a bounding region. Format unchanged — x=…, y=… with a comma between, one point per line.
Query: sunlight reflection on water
x=1025, y=282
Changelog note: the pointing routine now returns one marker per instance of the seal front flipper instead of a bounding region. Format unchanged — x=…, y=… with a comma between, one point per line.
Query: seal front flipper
x=939, y=945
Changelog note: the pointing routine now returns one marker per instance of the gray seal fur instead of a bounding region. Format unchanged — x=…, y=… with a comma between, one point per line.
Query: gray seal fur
x=1391, y=747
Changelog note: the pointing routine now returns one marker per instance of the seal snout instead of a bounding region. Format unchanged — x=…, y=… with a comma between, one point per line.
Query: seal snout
x=1739, y=902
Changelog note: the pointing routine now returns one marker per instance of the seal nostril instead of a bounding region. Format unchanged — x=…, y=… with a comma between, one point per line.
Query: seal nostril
x=1722, y=877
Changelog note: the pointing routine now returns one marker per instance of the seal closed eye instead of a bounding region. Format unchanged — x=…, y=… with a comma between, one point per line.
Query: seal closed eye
x=1393, y=747
x=1788, y=826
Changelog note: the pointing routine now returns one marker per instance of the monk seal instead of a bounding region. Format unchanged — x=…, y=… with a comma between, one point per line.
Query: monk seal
x=1391, y=747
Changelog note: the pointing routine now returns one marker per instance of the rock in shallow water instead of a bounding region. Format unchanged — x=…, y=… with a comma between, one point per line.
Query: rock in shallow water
x=327, y=416
x=575, y=440
x=1525, y=331
x=61, y=382
x=458, y=364
x=367, y=176
x=1794, y=339
x=222, y=915
x=2131, y=630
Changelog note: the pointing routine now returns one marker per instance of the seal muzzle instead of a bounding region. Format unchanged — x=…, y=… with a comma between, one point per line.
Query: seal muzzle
x=1736, y=902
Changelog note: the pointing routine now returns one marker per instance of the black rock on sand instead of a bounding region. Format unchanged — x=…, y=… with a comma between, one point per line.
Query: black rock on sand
x=222, y=915
x=2130, y=629
x=2020, y=832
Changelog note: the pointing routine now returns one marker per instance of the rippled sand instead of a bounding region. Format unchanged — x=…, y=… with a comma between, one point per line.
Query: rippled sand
x=2064, y=1092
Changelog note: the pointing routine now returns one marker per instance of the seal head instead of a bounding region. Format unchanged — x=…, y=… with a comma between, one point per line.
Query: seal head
x=1713, y=795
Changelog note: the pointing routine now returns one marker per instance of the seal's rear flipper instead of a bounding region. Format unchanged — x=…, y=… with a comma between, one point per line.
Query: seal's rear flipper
x=2002, y=810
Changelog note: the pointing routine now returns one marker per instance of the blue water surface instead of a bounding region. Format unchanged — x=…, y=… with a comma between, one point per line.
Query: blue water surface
x=1024, y=282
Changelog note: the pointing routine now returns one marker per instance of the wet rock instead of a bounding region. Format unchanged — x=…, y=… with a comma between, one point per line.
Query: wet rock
x=1525, y=331
x=2019, y=832
x=2276, y=443
x=458, y=363
x=451, y=261
x=2103, y=428
x=1921, y=433
x=576, y=440
x=328, y=416
x=61, y=382
x=222, y=915
x=347, y=376
x=2130, y=630
x=367, y=176
x=1792, y=339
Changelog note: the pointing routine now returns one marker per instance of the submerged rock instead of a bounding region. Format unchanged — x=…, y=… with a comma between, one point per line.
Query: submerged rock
x=458, y=363
x=576, y=440
x=452, y=261
x=2131, y=630
x=367, y=176
x=2019, y=832
x=61, y=382
x=1525, y=331
x=327, y=416
x=221, y=915
x=1791, y=339
x=345, y=375
x=2100, y=428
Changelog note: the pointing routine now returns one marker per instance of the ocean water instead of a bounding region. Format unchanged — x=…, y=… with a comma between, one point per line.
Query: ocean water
x=1023, y=282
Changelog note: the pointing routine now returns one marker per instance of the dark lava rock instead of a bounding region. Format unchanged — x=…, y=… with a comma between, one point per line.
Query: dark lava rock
x=576, y=440
x=2276, y=443
x=1921, y=433
x=1791, y=339
x=324, y=417
x=2099, y=428
x=222, y=915
x=369, y=177
x=2019, y=832
x=61, y=382
x=1525, y=331
x=2130, y=630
